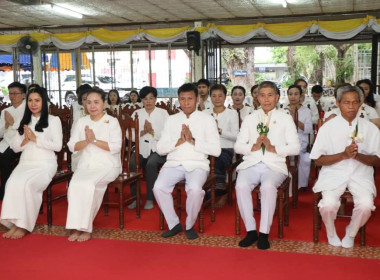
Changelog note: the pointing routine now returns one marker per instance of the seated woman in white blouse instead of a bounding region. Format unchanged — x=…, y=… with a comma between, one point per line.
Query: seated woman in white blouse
x=39, y=136
x=134, y=99
x=98, y=136
x=151, y=123
x=227, y=121
x=370, y=105
x=304, y=128
x=113, y=100
x=238, y=98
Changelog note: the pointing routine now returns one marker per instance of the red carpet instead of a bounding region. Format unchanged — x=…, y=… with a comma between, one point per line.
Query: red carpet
x=51, y=257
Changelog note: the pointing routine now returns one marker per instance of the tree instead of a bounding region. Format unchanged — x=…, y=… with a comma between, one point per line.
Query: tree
x=344, y=63
x=240, y=59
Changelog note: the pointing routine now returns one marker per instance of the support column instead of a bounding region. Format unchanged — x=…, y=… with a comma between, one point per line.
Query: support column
x=78, y=66
x=37, y=67
x=197, y=60
x=374, y=59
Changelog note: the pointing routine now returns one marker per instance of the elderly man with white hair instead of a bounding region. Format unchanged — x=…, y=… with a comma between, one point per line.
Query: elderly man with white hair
x=347, y=147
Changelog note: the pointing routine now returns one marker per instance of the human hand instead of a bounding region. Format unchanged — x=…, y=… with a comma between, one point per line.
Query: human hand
x=351, y=151
x=187, y=133
x=257, y=145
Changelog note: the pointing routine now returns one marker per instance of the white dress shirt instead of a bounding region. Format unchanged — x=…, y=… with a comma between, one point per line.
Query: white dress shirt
x=205, y=133
x=333, y=138
x=228, y=122
x=282, y=134
x=157, y=118
x=309, y=102
x=106, y=129
x=8, y=134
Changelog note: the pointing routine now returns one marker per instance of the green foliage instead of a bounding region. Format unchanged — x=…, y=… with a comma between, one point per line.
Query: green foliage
x=365, y=46
x=279, y=54
x=232, y=54
x=260, y=77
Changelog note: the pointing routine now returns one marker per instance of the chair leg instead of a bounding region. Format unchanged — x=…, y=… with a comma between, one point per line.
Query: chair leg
x=121, y=207
x=213, y=201
x=201, y=221
x=294, y=192
x=362, y=236
x=316, y=218
x=138, y=198
x=105, y=199
x=229, y=186
x=237, y=219
x=286, y=207
x=49, y=206
x=280, y=197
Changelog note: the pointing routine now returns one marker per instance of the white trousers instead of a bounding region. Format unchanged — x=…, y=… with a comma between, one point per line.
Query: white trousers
x=164, y=186
x=303, y=169
x=85, y=195
x=246, y=181
x=23, y=193
x=330, y=203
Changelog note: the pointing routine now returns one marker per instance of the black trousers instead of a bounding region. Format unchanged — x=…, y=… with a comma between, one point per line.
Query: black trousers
x=6, y=166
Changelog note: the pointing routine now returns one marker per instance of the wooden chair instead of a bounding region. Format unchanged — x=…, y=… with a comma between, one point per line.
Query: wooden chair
x=231, y=180
x=128, y=110
x=209, y=185
x=64, y=173
x=282, y=206
x=317, y=219
x=128, y=127
x=166, y=106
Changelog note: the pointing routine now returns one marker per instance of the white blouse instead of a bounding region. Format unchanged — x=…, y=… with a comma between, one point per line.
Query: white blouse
x=48, y=141
x=106, y=129
x=228, y=122
x=157, y=118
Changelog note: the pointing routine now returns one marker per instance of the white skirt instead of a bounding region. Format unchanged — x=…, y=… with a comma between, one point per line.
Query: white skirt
x=23, y=193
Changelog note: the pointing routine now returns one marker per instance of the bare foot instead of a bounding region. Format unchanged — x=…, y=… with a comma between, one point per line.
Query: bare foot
x=85, y=236
x=74, y=236
x=19, y=233
x=221, y=201
x=10, y=232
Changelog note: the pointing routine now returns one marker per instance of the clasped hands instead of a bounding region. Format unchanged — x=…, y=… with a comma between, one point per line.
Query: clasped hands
x=262, y=139
x=147, y=129
x=351, y=151
x=90, y=136
x=186, y=136
x=28, y=136
x=9, y=121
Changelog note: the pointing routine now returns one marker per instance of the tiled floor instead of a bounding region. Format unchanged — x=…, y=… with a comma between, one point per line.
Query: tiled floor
x=218, y=241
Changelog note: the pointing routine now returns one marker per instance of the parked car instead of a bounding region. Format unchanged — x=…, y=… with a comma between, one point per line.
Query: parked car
x=104, y=82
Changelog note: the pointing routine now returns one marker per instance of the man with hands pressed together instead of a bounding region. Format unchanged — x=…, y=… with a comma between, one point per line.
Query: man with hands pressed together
x=9, y=122
x=265, y=139
x=187, y=139
x=347, y=147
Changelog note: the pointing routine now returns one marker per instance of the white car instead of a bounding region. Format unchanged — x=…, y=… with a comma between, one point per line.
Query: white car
x=104, y=82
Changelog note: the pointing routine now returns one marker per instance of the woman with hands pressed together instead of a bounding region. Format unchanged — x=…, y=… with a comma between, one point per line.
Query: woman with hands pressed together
x=98, y=136
x=39, y=136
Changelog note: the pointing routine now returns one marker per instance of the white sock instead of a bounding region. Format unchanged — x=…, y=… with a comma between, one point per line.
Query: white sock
x=334, y=240
x=348, y=241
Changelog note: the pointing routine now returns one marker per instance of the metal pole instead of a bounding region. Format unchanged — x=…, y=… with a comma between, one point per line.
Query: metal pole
x=375, y=53
x=59, y=79
x=131, y=62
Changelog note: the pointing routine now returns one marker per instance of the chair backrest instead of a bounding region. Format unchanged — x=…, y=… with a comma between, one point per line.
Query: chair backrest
x=166, y=106
x=128, y=110
x=66, y=116
x=129, y=127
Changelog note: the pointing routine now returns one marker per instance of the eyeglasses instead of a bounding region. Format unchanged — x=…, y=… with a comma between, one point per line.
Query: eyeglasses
x=15, y=93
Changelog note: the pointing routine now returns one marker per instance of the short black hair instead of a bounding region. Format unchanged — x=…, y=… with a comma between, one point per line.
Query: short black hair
x=203, y=82
x=82, y=89
x=188, y=87
x=254, y=87
x=98, y=91
x=295, y=86
x=300, y=80
x=146, y=90
x=369, y=99
x=219, y=87
x=238, y=87
x=137, y=94
x=21, y=86
x=317, y=89
x=269, y=84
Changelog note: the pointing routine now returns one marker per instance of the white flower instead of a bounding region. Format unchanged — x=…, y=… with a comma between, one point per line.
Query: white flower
x=359, y=138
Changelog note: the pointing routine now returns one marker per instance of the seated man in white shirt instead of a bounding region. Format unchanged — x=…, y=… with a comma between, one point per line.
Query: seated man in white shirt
x=9, y=123
x=264, y=161
x=187, y=139
x=204, y=102
x=347, y=147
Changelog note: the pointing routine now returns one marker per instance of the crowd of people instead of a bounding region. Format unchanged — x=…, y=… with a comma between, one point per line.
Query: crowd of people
x=176, y=147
